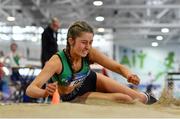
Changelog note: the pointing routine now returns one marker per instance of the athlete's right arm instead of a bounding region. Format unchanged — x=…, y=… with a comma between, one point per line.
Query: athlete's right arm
x=53, y=66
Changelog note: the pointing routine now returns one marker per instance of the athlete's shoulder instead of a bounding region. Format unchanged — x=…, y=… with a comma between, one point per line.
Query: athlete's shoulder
x=55, y=63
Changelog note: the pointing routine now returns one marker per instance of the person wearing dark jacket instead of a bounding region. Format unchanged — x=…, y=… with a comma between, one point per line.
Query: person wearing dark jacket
x=49, y=41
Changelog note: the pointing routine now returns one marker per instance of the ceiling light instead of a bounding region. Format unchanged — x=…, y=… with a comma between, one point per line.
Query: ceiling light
x=99, y=18
x=157, y=2
x=159, y=38
x=154, y=2
x=164, y=30
x=154, y=44
x=11, y=18
x=100, y=29
x=97, y=3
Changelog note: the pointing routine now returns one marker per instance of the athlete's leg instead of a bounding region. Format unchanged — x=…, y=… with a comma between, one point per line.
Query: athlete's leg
x=108, y=85
x=119, y=97
x=88, y=90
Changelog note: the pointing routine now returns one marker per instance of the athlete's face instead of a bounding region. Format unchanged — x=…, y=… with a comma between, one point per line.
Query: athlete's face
x=83, y=44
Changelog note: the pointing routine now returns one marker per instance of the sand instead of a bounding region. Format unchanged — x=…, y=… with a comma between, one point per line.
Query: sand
x=166, y=107
x=92, y=108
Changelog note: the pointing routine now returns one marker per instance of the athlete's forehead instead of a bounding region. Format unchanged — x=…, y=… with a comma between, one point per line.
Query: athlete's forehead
x=86, y=36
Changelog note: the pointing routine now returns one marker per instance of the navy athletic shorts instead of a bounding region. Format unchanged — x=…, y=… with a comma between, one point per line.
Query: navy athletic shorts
x=88, y=85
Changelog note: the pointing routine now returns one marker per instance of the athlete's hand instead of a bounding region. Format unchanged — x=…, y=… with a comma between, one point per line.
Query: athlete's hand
x=50, y=89
x=134, y=79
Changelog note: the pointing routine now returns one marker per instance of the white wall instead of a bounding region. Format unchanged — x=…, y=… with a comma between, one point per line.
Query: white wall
x=154, y=62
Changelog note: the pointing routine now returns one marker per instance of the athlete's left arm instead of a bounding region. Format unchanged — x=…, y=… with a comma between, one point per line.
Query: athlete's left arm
x=102, y=59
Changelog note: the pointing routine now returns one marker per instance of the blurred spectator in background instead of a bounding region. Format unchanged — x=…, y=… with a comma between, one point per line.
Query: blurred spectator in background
x=1, y=53
x=1, y=71
x=4, y=88
x=49, y=41
x=13, y=60
x=1, y=56
x=150, y=85
x=14, y=56
x=1, y=81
